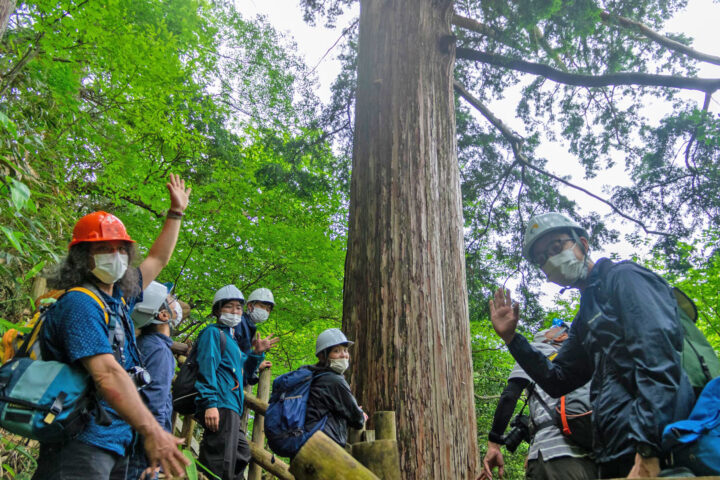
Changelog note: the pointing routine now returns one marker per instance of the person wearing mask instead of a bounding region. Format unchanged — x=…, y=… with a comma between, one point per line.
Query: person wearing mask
x=330, y=393
x=155, y=316
x=257, y=310
x=551, y=455
x=626, y=337
x=76, y=332
x=222, y=369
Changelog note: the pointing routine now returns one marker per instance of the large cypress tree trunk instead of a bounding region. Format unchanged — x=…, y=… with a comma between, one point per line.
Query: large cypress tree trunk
x=7, y=7
x=405, y=298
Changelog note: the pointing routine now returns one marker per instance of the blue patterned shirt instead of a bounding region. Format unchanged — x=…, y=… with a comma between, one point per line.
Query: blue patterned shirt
x=74, y=329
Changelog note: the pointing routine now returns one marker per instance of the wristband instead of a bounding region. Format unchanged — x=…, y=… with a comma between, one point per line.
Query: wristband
x=174, y=214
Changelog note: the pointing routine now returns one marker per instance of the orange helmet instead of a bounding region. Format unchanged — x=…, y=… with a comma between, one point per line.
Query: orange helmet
x=99, y=227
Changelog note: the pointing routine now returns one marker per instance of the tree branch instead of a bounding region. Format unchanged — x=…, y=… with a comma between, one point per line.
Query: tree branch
x=475, y=26
x=666, y=42
x=707, y=85
x=487, y=398
x=516, y=143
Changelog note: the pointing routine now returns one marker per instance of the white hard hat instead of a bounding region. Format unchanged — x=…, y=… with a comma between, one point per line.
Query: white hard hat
x=226, y=293
x=546, y=223
x=329, y=338
x=261, y=295
x=153, y=298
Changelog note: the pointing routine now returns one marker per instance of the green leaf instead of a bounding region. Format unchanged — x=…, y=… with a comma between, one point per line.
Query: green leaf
x=191, y=469
x=20, y=194
x=8, y=125
x=13, y=237
x=34, y=271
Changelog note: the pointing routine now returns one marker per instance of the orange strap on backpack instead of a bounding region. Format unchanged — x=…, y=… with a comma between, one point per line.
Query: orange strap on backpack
x=563, y=417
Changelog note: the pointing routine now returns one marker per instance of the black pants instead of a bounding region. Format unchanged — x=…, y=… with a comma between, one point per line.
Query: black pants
x=618, y=468
x=78, y=461
x=563, y=468
x=226, y=452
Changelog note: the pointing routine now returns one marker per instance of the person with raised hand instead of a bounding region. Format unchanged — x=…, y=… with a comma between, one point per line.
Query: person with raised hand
x=223, y=369
x=77, y=331
x=626, y=337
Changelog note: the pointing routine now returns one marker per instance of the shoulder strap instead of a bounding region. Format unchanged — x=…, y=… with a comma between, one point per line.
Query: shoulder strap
x=98, y=299
x=223, y=342
x=116, y=331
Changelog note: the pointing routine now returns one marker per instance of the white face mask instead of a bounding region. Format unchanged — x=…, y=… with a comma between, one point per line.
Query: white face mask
x=230, y=319
x=339, y=364
x=565, y=268
x=178, y=312
x=258, y=315
x=110, y=267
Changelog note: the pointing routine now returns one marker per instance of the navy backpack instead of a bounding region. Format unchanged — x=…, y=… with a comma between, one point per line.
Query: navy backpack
x=285, y=415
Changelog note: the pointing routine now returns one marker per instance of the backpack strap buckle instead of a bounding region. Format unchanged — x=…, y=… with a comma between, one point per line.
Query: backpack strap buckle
x=55, y=409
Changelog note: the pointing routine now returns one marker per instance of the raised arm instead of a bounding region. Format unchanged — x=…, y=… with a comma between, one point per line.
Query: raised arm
x=161, y=251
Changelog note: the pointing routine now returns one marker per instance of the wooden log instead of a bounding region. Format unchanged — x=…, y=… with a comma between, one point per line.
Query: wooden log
x=246, y=413
x=368, y=436
x=188, y=430
x=258, y=434
x=355, y=436
x=255, y=404
x=39, y=287
x=323, y=459
x=273, y=465
x=380, y=456
x=384, y=422
x=180, y=348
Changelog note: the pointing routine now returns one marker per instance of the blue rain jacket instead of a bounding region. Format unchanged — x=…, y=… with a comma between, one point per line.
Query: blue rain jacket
x=220, y=378
x=628, y=339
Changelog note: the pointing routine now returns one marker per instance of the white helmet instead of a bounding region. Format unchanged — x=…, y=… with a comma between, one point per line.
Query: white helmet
x=329, y=338
x=546, y=223
x=226, y=293
x=261, y=295
x=153, y=298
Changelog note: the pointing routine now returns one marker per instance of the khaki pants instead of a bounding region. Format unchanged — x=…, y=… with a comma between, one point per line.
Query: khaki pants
x=563, y=468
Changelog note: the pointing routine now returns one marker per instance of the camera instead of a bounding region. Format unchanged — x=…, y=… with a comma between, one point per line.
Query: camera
x=140, y=377
x=520, y=431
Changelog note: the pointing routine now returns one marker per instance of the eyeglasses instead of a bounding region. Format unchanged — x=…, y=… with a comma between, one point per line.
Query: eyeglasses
x=552, y=249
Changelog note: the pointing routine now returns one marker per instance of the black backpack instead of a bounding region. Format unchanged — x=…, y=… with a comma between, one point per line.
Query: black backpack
x=183, y=387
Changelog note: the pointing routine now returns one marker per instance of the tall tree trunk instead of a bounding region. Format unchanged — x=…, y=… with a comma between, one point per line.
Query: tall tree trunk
x=7, y=7
x=405, y=298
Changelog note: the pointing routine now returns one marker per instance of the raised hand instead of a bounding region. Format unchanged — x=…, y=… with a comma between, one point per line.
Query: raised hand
x=504, y=314
x=179, y=195
x=261, y=345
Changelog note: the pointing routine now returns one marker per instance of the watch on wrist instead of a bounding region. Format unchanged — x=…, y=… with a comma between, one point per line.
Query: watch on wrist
x=646, y=450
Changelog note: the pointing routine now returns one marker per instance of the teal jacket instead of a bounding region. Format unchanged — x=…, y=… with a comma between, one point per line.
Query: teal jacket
x=220, y=375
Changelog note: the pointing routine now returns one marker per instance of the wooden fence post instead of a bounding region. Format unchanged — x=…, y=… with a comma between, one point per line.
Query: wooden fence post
x=323, y=459
x=381, y=456
x=258, y=435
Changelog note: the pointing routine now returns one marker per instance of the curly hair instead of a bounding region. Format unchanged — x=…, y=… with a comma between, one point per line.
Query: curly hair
x=74, y=271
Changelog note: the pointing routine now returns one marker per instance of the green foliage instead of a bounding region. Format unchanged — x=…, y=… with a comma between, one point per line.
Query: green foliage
x=100, y=101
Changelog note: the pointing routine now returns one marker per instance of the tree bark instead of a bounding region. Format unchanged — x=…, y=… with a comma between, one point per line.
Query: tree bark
x=405, y=298
x=7, y=7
